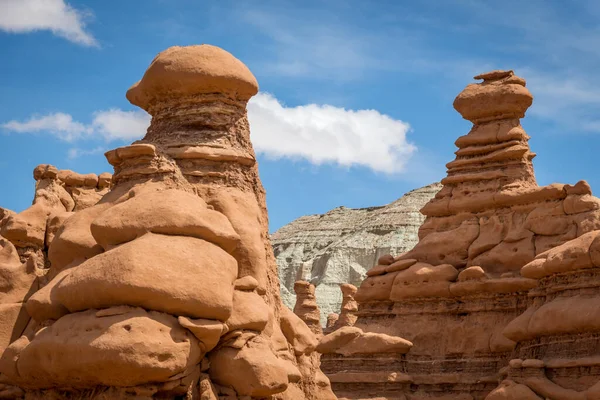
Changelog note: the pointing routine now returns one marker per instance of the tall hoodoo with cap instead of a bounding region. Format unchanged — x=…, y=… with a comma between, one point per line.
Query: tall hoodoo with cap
x=167, y=287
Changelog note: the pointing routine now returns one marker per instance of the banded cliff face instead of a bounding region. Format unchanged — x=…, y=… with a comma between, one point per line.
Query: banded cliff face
x=341, y=245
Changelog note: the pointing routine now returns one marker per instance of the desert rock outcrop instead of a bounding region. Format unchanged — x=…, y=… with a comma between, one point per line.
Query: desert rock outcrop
x=166, y=286
x=556, y=354
x=306, y=306
x=341, y=245
x=347, y=316
x=497, y=257
x=24, y=241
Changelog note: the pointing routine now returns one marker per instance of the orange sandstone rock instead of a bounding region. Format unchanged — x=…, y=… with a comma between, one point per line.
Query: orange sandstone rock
x=165, y=285
x=503, y=267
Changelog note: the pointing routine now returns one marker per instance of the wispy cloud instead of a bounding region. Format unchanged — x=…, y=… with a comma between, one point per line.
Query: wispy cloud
x=552, y=47
x=113, y=124
x=556, y=50
x=76, y=152
x=58, y=124
x=321, y=45
x=302, y=47
x=327, y=134
x=23, y=16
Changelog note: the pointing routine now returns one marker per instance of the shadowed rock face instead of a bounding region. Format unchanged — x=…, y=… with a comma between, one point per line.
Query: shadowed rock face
x=497, y=275
x=341, y=245
x=167, y=286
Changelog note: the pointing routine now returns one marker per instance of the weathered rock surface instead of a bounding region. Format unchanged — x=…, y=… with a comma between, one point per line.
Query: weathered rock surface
x=502, y=286
x=557, y=337
x=341, y=245
x=347, y=316
x=306, y=306
x=125, y=349
x=165, y=286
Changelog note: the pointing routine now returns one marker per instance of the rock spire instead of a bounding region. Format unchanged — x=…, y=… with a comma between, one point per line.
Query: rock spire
x=477, y=290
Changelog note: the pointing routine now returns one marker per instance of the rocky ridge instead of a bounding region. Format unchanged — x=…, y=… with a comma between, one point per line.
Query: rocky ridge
x=341, y=245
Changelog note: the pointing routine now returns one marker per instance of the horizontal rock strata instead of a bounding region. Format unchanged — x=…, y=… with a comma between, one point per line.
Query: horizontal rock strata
x=341, y=245
x=475, y=292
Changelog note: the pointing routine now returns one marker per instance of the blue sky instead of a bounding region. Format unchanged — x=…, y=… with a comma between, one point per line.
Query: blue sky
x=356, y=97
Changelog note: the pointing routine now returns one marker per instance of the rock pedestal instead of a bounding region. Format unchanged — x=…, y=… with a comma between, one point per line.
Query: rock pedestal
x=454, y=294
x=167, y=287
x=306, y=306
x=347, y=316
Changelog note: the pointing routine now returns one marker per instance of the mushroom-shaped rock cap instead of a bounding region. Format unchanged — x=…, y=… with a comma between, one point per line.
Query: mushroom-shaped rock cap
x=501, y=95
x=191, y=70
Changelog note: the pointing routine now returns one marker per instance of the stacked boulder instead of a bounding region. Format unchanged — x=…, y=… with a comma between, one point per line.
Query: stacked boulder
x=306, y=306
x=456, y=292
x=557, y=355
x=167, y=286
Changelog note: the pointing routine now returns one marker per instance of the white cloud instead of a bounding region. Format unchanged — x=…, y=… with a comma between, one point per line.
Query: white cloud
x=23, y=16
x=557, y=55
x=116, y=124
x=59, y=124
x=316, y=133
x=327, y=134
x=113, y=124
x=568, y=101
x=77, y=152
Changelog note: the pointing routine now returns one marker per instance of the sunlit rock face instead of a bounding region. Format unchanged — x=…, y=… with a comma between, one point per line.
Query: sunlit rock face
x=494, y=290
x=166, y=286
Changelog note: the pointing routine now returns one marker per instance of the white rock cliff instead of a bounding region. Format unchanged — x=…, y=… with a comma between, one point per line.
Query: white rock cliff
x=341, y=245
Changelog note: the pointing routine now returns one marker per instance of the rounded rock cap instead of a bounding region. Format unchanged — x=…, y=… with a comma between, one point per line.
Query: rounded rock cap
x=501, y=95
x=190, y=70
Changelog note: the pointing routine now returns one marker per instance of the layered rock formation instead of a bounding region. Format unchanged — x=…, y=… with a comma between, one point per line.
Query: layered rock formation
x=490, y=234
x=25, y=238
x=306, y=306
x=557, y=354
x=340, y=246
x=57, y=193
x=167, y=286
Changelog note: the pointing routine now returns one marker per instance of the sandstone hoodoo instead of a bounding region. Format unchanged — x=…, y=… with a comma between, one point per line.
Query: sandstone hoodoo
x=166, y=286
x=160, y=282
x=306, y=306
x=500, y=286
